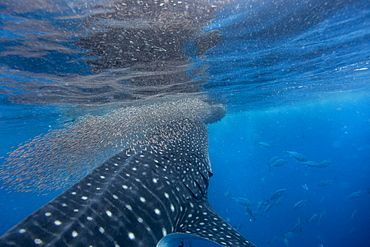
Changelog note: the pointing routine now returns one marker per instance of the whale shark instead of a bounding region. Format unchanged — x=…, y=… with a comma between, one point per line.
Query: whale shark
x=138, y=197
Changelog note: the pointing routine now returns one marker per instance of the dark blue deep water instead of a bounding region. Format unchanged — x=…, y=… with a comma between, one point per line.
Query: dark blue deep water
x=336, y=129
x=293, y=76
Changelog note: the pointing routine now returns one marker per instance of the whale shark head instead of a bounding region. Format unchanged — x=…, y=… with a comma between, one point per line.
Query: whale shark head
x=135, y=198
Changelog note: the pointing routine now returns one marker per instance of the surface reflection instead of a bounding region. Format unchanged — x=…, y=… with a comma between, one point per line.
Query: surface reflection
x=104, y=51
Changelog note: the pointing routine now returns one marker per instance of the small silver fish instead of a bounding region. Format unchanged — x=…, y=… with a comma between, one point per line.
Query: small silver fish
x=278, y=163
x=327, y=182
x=322, y=215
x=357, y=194
x=262, y=203
x=313, y=218
x=315, y=164
x=300, y=204
x=268, y=207
x=297, y=156
x=243, y=201
x=354, y=213
x=250, y=212
x=264, y=144
x=305, y=187
x=277, y=194
x=298, y=226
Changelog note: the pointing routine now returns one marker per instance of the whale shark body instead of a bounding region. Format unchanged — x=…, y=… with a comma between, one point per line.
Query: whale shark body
x=135, y=198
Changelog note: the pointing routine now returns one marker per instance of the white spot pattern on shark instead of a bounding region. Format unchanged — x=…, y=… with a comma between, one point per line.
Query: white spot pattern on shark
x=166, y=194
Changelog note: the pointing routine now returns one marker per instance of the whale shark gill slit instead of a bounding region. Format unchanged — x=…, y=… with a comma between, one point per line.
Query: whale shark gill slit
x=135, y=198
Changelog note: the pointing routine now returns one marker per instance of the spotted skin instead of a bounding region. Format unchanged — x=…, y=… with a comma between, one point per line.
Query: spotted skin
x=135, y=198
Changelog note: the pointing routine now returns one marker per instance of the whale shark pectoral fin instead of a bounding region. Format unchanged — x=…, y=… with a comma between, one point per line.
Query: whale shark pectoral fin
x=202, y=221
x=185, y=240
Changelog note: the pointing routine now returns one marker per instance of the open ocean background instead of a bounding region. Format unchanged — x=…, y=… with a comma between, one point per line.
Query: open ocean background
x=292, y=74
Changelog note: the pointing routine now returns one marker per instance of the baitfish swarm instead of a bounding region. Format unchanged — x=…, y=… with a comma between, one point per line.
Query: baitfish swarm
x=61, y=157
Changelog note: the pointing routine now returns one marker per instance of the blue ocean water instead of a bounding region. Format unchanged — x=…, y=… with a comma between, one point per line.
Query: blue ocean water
x=336, y=129
x=293, y=75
